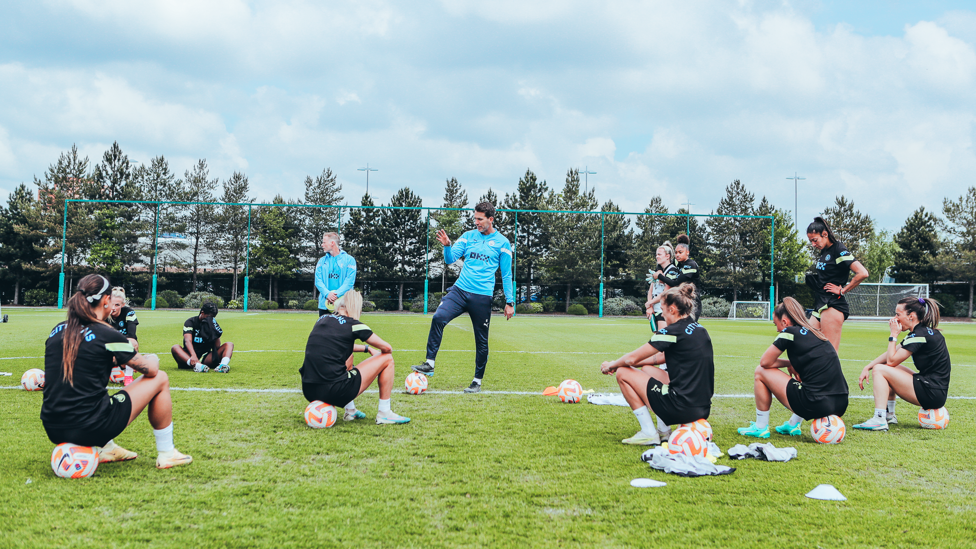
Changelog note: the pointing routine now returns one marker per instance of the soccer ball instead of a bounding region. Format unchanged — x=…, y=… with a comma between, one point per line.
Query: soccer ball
x=687, y=440
x=117, y=375
x=570, y=391
x=32, y=380
x=319, y=415
x=416, y=383
x=72, y=461
x=934, y=419
x=828, y=430
x=703, y=428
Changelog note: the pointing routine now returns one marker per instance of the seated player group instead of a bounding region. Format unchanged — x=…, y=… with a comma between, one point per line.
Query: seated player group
x=82, y=352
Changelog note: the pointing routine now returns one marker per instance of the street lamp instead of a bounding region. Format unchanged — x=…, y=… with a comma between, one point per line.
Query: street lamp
x=796, y=215
x=586, y=178
x=367, y=169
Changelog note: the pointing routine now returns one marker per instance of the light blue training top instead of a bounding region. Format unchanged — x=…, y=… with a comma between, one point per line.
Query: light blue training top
x=482, y=255
x=334, y=274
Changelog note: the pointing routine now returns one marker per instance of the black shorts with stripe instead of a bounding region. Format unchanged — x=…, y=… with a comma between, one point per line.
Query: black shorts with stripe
x=663, y=405
x=826, y=301
x=338, y=393
x=929, y=397
x=109, y=425
x=810, y=406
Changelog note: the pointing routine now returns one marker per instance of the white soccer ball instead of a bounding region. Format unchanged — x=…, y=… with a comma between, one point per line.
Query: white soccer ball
x=704, y=429
x=828, y=430
x=934, y=419
x=570, y=391
x=72, y=461
x=319, y=415
x=117, y=375
x=32, y=380
x=416, y=383
x=687, y=440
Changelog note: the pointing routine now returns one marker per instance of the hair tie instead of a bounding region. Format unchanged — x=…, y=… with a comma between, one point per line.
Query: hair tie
x=98, y=296
x=921, y=300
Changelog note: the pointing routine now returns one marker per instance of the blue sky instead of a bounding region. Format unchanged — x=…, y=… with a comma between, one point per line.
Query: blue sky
x=873, y=100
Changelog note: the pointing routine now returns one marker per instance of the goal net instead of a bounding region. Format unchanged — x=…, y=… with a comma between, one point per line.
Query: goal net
x=877, y=301
x=749, y=310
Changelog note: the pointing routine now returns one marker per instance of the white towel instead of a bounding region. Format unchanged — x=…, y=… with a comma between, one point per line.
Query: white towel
x=682, y=464
x=765, y=452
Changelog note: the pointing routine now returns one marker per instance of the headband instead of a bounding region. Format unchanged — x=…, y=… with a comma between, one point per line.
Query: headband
x=98, y=296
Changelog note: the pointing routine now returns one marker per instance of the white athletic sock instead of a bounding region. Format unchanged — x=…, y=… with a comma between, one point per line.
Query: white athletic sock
x=879, y=412
x=476, y=380
x=891, y=406
x=664, y=366
x=644, y=418
x=384, y=406
x=431, y=362
x=351, y=407
x=661, y=426
x=795, y=420
x=164, y=439
x=762, y=419
x=188, y=362
x=225, y=361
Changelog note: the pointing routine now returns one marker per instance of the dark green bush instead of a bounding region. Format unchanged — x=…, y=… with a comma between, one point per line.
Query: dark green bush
x=549, y=304
x=196, y=300
x=160, y=303
x=382, y=300
x=312, y=305
x=577, y=309
x=592, y=304
x=38, y=297
x=368, y=306
x=172, y=298
x=529, y=308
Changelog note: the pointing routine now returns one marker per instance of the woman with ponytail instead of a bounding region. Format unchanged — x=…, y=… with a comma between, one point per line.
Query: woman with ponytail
x=683, y=392
x=686, y=271
x=828, y=280
x=665, y=267
x=78, y=359
x=814, y=387
x=929, y=388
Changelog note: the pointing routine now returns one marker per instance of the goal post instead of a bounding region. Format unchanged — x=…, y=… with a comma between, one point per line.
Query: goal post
x=873, y=301
x=749, y=310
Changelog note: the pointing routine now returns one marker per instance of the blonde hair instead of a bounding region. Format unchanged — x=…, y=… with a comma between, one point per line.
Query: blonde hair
x=352, y=302
x=331, y=236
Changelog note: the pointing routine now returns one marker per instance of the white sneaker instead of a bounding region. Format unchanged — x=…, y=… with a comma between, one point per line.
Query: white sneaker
x=876, y=423
x=201, y=368
x=172, y=459
x=892, y=419
x=643, y=439
x=352, y=415
x=664, y=435
x=390, y=418
x=117, y=453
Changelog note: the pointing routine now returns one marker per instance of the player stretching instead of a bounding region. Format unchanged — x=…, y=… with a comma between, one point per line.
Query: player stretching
x=828, y=280
x=202, y=349
x=335, y=273
x=484, y=251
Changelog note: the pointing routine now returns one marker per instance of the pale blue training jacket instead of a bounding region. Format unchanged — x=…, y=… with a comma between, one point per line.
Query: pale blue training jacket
x=482, y=255
x=334, y=274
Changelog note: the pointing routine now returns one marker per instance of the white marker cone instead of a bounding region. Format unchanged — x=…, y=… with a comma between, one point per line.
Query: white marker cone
x=826, y=492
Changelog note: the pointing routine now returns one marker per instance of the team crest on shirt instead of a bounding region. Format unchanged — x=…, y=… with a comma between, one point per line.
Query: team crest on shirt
x=119, y=397
x=492, y=243
x=827, y=258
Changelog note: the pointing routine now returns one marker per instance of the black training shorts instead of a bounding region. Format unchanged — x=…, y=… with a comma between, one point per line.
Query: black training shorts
x=929, y=397
x=663, y=405
x=826, y=301
x=110, y=425
x=810, y=406
x=339, y=393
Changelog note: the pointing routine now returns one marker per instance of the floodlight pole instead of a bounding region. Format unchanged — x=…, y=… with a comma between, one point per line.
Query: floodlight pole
x=367, y=169
x=586, y=179
x=155, y=258
x=796, y=213
x=247, y=258
x=64, y=237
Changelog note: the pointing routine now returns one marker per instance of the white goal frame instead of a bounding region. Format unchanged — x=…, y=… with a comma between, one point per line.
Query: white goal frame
x=766, y=315
x=868, y=292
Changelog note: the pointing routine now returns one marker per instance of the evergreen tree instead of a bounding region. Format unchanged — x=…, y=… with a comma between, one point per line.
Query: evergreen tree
x=157, y=183
x=618, y=241
x=532, y=240
x=366, y=237
x=735, y=240
x=849, y=225
x=958, y=260
x=407, y=245
x=323, y=190
x=574, y=253
x=118, y=226
x=454, y=223
x=278, y=244
x=198, y=218
x=791, y=254
x=230, y=239
x=917, y=241
x=651, y=233
x=20, y=253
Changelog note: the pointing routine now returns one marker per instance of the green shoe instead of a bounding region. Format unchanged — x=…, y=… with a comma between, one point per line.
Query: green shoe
x=753, y=431
x=791, y=430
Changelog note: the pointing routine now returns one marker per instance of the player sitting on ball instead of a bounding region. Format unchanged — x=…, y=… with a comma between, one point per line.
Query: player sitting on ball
x=328, y=373
x=683, y=393
x=78, y=359
x=817, y=387
x=929, y=388
x=201, y=348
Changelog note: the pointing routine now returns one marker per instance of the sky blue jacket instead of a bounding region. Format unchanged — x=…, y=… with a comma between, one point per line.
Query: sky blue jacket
x=334, y=274
x=482, y=255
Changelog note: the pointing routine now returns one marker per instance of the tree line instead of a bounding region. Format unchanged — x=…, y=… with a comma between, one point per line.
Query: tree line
x=558, y=254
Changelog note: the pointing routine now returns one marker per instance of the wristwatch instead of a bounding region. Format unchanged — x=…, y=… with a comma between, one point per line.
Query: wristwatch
x=365, y=347
x=510, y=304
x=891, y=338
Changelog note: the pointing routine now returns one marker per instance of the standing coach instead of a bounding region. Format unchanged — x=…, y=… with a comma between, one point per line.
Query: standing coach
x=335, y=273
x=484, y=251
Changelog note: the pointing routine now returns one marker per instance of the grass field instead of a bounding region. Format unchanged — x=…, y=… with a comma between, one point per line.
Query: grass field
x=500, y=470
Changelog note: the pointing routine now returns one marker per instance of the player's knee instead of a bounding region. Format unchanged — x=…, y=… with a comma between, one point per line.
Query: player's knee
x=162, y=378
x=759, y=372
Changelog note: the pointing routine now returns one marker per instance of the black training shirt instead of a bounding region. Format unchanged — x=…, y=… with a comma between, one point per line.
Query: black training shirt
x=815, y=360
x=126, y=322
x=930, y=354
x=205, y=332
x=329, y=346
x=691, y=367
x=77, y=405
x=687, y=271
x=832, y=267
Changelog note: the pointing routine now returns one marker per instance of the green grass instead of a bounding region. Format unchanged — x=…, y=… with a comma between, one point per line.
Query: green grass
x=478, y=470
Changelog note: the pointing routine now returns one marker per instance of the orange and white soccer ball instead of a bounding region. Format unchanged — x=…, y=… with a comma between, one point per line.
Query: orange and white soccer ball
x=828, y=430
x=570, y=391
x=117, y=375
x=319, y=415
x=704, y=428
x=32, y=380
x=687, y=440
x=72, y=461
x=934, y=419
x=416, y=383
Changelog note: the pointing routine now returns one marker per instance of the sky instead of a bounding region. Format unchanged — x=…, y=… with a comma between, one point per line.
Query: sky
x=873, y=100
